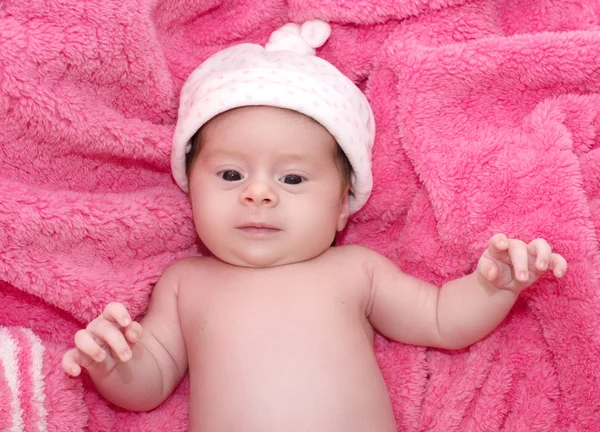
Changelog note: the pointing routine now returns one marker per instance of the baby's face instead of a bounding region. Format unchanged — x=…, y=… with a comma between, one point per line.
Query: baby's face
x=266, y=189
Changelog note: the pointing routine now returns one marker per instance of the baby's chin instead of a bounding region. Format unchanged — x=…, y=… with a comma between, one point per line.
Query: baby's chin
x=262, y=258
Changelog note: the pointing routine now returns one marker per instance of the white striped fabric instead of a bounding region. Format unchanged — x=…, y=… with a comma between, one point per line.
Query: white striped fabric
x=21, y=381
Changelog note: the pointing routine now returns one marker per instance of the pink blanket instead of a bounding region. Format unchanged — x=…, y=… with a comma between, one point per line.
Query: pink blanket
x=488, y=117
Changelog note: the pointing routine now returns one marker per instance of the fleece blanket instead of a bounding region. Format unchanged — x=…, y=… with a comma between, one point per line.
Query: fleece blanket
x=488, y=121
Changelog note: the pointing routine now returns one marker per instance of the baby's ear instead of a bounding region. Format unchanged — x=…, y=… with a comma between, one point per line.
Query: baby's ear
x=344, y=213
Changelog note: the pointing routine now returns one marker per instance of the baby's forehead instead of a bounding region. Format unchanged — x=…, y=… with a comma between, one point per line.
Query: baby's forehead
x=253, y=120
x=264, y=112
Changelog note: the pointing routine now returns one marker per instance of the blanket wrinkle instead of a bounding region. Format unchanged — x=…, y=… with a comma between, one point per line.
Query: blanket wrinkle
x=488, y=116
x=364, y=12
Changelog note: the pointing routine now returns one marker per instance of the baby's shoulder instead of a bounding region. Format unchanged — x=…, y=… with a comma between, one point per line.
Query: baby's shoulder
x=187, y=269
x=354, y=257
x=357, y=265
x=191, y=263
x=352, y=251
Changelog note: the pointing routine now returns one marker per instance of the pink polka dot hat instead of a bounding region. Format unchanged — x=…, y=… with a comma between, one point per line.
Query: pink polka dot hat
x=285, y=73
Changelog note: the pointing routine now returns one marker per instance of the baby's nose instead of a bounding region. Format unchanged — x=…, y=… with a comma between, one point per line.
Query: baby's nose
x=259, y=193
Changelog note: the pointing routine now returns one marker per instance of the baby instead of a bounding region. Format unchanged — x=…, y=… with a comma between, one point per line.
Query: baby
x=276, y=327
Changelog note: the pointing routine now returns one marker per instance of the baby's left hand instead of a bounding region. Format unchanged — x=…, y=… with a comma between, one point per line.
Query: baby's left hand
x=514, y=265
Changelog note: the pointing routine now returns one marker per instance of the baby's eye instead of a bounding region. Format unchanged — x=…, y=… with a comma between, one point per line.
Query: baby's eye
x=231, y=175
x=292, y=179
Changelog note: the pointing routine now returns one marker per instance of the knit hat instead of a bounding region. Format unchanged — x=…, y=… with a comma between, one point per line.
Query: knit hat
x=285, y=74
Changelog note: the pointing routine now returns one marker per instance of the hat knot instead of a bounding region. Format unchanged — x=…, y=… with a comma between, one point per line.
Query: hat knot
x=301, y=39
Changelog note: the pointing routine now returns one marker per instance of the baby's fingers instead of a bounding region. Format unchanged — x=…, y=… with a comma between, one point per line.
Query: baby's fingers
x=133, y=333
x=541, y=251
x=108, y=334
x=498, y=246
x=517, y=250
x=558, y=264
x=489, y=269
x=72, y=361
x=87, y=344
x=117, y=314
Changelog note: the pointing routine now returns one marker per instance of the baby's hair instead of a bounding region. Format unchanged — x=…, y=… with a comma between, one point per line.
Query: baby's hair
x=341, y=159
x=345, y=167
x=191, y=155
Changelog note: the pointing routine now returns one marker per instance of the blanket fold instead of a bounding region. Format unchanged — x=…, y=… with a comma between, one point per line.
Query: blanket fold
x=501, y=143
x=488, y=117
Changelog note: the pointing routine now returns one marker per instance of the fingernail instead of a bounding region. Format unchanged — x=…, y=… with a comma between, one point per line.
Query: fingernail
x=100, y=357
x=523, y=276
x=126, y=321
x=126, y=355
x=543, y=264
x=74, y=371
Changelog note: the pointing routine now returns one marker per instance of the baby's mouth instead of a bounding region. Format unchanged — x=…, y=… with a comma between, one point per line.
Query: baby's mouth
x=258, y=228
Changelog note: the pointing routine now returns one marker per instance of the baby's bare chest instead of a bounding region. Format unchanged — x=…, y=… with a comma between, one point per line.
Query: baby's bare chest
x=280, y=349
x=249, y=304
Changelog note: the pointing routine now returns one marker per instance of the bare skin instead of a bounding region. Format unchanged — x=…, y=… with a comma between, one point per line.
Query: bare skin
x=276, y=330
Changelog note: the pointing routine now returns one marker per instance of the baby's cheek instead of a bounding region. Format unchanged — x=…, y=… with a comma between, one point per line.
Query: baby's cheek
x=202, y=222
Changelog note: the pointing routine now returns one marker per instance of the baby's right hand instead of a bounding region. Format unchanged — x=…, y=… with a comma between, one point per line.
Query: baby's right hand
x=108, y=339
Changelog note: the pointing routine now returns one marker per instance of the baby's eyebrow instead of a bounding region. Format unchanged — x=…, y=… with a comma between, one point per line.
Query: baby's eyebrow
x=295, y=157
x=220, y=153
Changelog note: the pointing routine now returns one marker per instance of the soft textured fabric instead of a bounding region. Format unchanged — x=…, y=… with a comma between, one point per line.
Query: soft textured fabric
x=284, y=74
x=487, y=118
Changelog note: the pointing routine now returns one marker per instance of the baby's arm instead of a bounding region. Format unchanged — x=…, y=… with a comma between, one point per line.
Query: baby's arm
x=134, y=365
x=464, y=310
